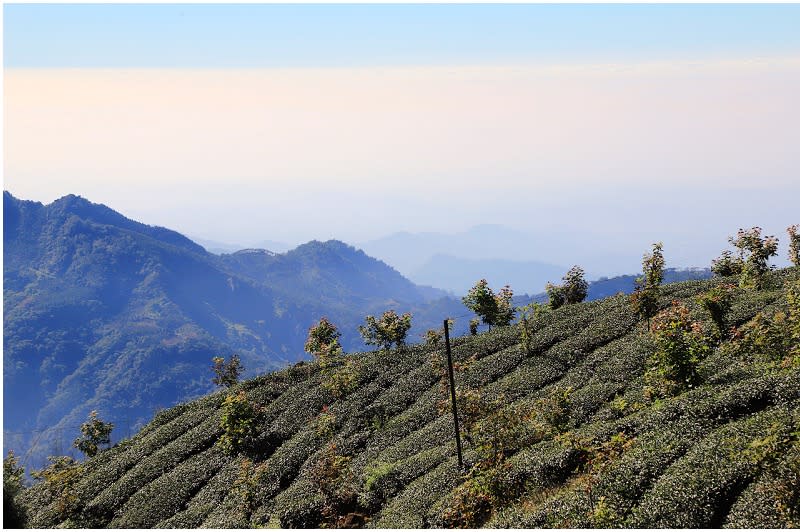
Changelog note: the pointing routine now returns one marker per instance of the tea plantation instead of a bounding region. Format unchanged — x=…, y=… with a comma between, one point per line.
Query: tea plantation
x=578, y=427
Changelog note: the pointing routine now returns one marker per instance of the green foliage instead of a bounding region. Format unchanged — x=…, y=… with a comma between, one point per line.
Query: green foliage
x=247, y=486
x=726, y=265
x=333, y=477
x=322, y=337
x=527, y=315
x=59, y=480
x=573, y=289
x=497, y=433
x=493, y=309
x=433, y=337
x=575, y=286
x=95, y=433
x=237, y=421
x=340, y=375
x=756, y=252
x=555, y=410
x=13, y=475
x=644, y=300
x=556, y=295
x=775, y=336
x=226, y=374
x=794, y=244
x=390, y=329
x=473, y=326
x=717, y=302
x=680, y=346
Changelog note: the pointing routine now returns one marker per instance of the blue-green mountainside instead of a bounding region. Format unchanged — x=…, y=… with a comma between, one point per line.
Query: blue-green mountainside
x=101, y=312
x=593, y=417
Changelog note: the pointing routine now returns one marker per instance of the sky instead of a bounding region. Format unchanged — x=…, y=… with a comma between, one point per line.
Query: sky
x=243, y=123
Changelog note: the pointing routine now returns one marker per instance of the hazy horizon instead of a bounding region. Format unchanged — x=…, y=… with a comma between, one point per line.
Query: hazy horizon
x=623, y=124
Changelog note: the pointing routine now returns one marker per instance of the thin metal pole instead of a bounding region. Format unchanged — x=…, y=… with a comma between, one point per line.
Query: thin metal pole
x=453, y=393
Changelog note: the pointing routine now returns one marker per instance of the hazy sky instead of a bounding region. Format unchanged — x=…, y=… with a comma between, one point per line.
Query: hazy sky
x=244, y=123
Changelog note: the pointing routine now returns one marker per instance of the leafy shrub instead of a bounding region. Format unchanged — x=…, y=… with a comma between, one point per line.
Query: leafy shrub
x=12, y=475
x=527, y=316
x=726, y=265
x=389, y=329
x=237, y=422
x=493, y=309
x=717, y=302
x=322, y=337
x=247, y=484
x=342, y=378
x=556, y=295
x=774, y=337
x=644, y=300
x=755, y=251
x=433, y=337
x=556, y=410
x=773, y=500
x=95, y=433
x=680, y=346
x=573, y=290
x=333, y=477
x=59, y=480
x=473, y=326
x=226, y=374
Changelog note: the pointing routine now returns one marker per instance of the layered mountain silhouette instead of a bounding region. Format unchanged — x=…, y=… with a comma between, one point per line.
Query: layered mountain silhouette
x=102, y=312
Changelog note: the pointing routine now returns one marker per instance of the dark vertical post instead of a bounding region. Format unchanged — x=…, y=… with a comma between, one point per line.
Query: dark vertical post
x=453, y=393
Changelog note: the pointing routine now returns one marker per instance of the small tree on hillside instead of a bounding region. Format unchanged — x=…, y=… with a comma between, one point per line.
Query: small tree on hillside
x=575, y=286
x=505, y=310
x=556, y=295
x=13, y=475
x=390, y=329
x=226, y=374
x=95, y=433
x=644, y=300
x=322, y=337
x=726, y=265
x=480, y=300
x=493, y=309
x=573, y=290
x=756, y=251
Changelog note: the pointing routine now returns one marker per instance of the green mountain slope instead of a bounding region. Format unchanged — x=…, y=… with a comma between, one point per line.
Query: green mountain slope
x=566, y=433
x=102, y=312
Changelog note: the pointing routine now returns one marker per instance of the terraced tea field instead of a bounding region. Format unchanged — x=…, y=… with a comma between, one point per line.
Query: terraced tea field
x=565, y=433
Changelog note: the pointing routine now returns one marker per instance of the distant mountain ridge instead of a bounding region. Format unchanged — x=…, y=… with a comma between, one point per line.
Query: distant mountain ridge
x=102, y=312
x=349, y=277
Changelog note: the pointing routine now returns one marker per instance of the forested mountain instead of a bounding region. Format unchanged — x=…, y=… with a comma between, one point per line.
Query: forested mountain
x=595, y=417
x=102, y=312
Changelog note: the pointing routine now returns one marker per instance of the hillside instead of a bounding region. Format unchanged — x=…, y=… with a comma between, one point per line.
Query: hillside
x=576, y=429
x=332, y=273
x=96, y=304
